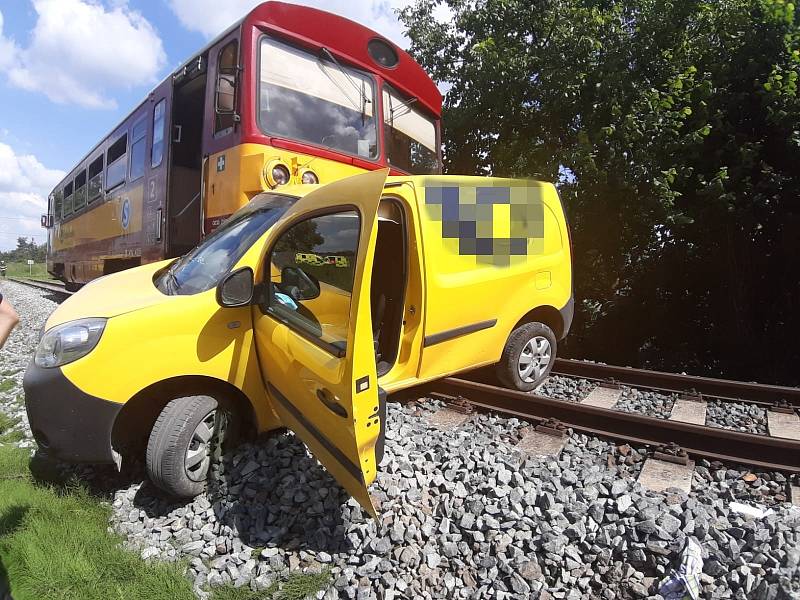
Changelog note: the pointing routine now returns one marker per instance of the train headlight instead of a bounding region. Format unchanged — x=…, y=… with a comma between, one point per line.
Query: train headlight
x=68, y=342
x=309, y=178
x=280, y=175
x=277, y=174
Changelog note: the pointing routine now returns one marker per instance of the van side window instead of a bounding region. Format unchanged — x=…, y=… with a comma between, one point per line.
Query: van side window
x=138, y=149
x=95, y=178
x=226, y=87
x=157, y=148
x=312, y=270
x=67, y=207
x=116, y=162
x=79, y=195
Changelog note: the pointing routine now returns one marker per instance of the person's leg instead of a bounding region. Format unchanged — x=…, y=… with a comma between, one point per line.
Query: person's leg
x=8, y=319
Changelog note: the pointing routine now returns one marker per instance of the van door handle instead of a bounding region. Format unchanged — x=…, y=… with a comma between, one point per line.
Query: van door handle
x=329, y=400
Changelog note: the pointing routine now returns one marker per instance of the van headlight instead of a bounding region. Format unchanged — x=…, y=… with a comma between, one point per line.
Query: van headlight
x=68, y=342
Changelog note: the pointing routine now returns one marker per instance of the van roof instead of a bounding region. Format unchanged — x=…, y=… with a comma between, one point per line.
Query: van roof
x=428, y=181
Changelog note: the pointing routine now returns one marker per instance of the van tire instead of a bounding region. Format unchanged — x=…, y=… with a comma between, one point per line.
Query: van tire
x=173, y=434
x=508, y=369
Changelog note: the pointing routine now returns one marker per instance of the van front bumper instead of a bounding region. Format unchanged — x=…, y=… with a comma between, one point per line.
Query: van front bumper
x=68, y=424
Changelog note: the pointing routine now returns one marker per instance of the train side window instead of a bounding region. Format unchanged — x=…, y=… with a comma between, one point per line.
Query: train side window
x=116, y=162
x=79, y=195
x=225, y=107
x=157, y=148
x=58, y=199
x=138, y=149
x=96, y=179
x=67, y=206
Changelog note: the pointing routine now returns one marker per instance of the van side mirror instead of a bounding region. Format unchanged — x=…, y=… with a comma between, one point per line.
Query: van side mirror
x=236, y=288
x=302, y=285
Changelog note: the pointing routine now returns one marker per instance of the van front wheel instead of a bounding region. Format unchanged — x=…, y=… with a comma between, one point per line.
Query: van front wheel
x=186, y=438
x=527, y=357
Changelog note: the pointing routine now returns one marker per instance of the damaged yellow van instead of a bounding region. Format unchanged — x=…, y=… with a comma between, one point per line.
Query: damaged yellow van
x=303, y=310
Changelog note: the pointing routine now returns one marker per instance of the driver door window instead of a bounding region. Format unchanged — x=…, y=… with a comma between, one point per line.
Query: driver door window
x=312, y=267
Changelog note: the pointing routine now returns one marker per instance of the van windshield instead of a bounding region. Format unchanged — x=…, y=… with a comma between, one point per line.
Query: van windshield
x=204, y=267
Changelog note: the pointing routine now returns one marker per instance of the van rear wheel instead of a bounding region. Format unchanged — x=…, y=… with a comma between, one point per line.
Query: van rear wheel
x=527, y=357
x=186, y=438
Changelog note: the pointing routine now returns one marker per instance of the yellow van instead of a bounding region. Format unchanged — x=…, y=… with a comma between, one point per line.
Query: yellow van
x=434, y=275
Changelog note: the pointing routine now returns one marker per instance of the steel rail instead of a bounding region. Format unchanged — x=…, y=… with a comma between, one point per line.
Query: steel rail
x=724, y=389
x=42, y=285
x=713, y=443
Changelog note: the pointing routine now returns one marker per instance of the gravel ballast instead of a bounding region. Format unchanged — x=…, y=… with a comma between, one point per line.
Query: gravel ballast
x=571, y=389
x=652, y=404
x=462, y=514
x=738, y=416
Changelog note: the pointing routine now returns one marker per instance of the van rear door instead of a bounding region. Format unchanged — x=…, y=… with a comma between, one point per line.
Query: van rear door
x=313, y=329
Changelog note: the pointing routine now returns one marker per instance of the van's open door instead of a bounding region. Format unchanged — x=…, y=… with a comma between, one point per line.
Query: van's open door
x=313, y=328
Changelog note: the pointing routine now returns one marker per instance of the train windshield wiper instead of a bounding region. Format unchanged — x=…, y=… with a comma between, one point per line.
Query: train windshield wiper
x=362, y=94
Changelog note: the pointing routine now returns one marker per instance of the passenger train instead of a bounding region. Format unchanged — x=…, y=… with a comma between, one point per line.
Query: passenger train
x=288, y=95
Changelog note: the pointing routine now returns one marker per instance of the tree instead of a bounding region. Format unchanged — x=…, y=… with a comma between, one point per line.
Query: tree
x=673, y=129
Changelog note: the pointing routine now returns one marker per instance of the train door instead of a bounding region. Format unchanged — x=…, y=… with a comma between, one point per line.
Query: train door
x=313, y=330
x=156, y=176
x=184, y=220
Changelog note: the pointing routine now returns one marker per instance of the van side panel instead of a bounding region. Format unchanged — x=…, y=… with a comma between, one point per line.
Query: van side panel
x=494, y=249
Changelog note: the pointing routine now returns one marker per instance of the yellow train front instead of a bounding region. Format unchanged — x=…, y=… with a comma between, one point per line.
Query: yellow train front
x=288, y=95
x=305, y=309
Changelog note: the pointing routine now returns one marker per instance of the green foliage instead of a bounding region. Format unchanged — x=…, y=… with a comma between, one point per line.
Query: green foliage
x=674, y=131
x=25, y=249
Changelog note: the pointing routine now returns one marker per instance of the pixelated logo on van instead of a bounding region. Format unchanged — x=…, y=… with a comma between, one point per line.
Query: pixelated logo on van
x=499, y=225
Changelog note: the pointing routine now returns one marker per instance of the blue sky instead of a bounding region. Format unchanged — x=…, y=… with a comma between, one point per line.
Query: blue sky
x=70, y=70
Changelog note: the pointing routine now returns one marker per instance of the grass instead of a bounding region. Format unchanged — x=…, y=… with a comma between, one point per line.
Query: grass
x=21, y=269
x=7, y=384
x=293, y=586
x=9, y=435
x=55, y=544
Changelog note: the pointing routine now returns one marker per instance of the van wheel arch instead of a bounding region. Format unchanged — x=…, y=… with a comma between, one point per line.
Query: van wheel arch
x=135, y=421
x=545, y=314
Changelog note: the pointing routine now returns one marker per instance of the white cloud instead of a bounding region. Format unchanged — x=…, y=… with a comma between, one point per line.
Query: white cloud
x=79, y=50
x=24, y=185
x=211, y=17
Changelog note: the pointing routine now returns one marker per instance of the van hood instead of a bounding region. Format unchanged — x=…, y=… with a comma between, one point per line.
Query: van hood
x=112, y=295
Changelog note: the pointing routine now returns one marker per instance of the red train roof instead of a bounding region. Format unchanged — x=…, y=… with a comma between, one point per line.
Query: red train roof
x=348, y=39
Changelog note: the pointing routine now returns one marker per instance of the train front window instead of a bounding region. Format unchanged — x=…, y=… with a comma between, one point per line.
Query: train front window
x=313, y=99
x=410, y=136
x=204, y=267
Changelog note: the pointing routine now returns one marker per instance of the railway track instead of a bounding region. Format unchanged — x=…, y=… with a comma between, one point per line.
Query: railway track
x=722, y=389
x=55, y=288
x=712, y=443
x=596, y=416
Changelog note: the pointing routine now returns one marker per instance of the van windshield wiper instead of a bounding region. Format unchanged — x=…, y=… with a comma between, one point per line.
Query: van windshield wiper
x=362, y=95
